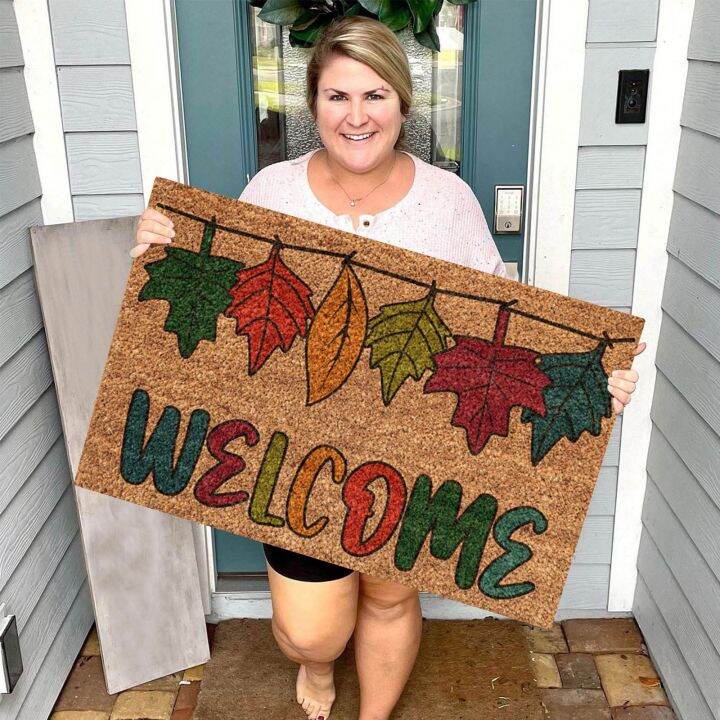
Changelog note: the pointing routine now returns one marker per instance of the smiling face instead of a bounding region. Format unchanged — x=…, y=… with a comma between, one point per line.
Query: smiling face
x=357, y=114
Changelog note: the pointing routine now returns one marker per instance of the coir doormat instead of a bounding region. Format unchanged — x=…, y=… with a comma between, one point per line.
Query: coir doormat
x=371, y=406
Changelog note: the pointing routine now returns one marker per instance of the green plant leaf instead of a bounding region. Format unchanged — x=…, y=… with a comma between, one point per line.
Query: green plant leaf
x=372, y=6
x=306, y=38
x=461, y=2
x=394, y=14
x=196, y=285
x=403, y=338
x=575, y=403
x=429, y=38
x=422, y=13
x=281, y=12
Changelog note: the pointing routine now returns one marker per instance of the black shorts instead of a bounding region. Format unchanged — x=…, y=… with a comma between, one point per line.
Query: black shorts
x=301, y=567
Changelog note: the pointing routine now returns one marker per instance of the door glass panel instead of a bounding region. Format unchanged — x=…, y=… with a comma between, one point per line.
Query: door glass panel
x=285, y=128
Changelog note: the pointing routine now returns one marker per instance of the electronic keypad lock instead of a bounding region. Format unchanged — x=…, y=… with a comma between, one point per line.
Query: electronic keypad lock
x=509, y=208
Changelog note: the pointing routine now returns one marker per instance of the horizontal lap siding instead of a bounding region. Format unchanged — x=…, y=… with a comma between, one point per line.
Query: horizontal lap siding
x=608, y=189
x=97, y=107
x=676, y=600
x=42, y=572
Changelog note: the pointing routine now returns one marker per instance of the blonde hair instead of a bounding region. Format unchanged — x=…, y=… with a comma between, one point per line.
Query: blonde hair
x=370, y=42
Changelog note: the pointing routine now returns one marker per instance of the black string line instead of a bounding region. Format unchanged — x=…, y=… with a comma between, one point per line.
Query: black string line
x=348, y=259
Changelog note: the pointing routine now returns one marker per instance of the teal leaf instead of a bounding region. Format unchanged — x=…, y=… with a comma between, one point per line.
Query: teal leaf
x=575, y=402
x=281, y=12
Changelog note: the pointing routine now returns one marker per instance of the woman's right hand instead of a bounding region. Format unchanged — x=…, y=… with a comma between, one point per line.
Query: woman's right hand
x=153, y=227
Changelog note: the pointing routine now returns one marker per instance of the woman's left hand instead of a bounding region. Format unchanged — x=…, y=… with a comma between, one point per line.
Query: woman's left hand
x=621, y=383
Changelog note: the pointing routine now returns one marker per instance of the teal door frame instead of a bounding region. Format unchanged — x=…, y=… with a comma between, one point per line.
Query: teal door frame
x=215, y=61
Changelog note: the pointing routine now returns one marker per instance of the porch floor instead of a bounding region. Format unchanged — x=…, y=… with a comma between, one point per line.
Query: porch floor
x=595, y=669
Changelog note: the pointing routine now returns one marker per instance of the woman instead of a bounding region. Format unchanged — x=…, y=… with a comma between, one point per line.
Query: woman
x=359, y=92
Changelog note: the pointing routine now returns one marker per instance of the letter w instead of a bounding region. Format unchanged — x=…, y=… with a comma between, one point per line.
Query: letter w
x=438, y=515
x=137, y=463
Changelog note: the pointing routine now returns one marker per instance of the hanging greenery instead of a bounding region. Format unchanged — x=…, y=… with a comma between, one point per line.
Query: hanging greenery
x=308, y=18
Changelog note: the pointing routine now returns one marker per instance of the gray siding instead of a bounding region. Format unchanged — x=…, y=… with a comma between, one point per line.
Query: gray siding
x=608, y=189
x=96, y=103
x=678, y=590
x=42, y=571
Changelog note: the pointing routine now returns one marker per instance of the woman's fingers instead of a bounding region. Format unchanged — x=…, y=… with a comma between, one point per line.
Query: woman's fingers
x=138, y=249
x=153, y=214
x=639, y=348
x=152, y=228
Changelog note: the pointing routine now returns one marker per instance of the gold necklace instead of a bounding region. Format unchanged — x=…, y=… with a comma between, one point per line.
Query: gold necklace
x=358, y=199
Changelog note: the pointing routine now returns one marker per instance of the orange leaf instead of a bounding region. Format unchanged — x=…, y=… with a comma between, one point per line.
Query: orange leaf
x=336, y=336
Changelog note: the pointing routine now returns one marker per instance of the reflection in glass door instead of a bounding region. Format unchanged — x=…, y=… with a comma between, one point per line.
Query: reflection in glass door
x=284, y=125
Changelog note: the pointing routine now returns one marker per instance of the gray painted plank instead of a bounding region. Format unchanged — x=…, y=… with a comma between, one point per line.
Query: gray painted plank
x=610, y=167
x=622, y=21
x=24, y=588
x=27, y=444
x=692, y=640
x=33, y=503
x=698, y=168
x=96, y=98
x=691, y=438
x=19, y=315
x=15, y=255
x=103, y=163
x=689, y=703
x=89, y=32
x=602, y=501
x=14, y=105
x=612, y=452
x=691, y=369
x=606, y=219
x=19, y=179
x=689, y=500
x=603, y=277
x=705, y=31
x=158, y=550
x=586, y=587
x=10, y=48
x=696, y=583
x=701, y=106
x=595, y=542
x=97, y=207
x=23, y=378
x=597, y=114
x=44, y=624
x=694, y=303
x=694, y=238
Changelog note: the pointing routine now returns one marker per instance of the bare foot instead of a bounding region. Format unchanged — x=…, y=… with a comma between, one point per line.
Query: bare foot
x=315, y=692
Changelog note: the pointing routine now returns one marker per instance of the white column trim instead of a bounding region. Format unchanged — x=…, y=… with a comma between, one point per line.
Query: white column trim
x=665, y=106
x=33, y=19
x=560, y=67
x=158, y=110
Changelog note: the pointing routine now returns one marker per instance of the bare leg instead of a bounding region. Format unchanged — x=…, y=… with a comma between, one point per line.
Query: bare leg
x=312, y=622
x=387, y=640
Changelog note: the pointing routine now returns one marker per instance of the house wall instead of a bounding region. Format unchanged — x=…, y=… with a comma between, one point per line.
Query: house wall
x=678, y=589
x=98, y=113
x=42, y=571
x=608, y=189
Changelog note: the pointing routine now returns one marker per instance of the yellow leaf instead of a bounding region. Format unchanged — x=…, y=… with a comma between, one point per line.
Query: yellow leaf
x=337, y=333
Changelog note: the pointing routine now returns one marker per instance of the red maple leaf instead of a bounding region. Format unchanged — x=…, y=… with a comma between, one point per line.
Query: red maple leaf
x=272, y=307
x=489, y=378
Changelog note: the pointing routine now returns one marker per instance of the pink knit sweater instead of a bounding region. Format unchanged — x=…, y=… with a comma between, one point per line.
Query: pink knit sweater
x=439, y=216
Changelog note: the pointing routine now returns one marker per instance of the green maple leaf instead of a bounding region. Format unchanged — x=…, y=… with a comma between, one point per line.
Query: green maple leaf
x=196, y=285
x=575, y=402
x=403, y=338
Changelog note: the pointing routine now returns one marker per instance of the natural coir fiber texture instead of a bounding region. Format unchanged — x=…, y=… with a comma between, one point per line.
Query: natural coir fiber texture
x=371, y=406
x=465, y=670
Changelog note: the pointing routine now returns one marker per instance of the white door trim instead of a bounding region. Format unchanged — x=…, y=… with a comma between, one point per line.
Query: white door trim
x=40, y=73
x=559, y=60
x=666, y=99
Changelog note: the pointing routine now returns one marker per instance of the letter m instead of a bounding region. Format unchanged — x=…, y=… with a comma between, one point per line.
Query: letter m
x=437, y=515
x=136, y=462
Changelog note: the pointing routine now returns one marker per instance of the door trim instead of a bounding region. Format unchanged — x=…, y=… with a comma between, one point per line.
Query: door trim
x=559, y=52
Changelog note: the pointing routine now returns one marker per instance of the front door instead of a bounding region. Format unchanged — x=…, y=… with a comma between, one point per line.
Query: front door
x=243, y=108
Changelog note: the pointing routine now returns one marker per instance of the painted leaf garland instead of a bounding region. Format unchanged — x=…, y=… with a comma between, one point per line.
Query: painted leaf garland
x=489, y=378
x=576, y=401
x=403, y=338
x=271, y=305
x=196, y=284
x=337, y=333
